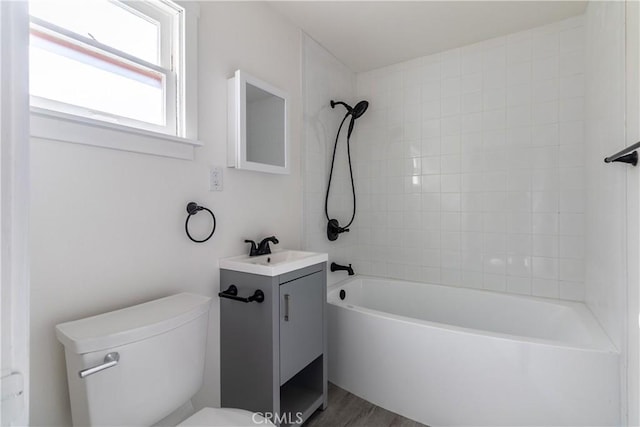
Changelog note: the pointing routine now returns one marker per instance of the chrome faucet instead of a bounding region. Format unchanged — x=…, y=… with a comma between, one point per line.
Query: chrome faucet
x=338, y=267
x=262, y=248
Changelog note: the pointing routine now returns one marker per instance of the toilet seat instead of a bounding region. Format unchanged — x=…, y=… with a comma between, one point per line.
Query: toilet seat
x=224, y=417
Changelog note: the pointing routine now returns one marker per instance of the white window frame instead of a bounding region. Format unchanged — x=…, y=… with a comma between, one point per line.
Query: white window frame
x=67, y=123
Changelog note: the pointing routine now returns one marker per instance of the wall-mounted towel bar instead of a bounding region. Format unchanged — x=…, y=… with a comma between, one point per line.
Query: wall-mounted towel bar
x=232, y=293
x=625, y=156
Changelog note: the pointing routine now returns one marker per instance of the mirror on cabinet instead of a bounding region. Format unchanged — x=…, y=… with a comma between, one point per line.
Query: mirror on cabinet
x=257, y=130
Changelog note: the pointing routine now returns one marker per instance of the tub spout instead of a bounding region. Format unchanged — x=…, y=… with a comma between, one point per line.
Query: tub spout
x=338, y=267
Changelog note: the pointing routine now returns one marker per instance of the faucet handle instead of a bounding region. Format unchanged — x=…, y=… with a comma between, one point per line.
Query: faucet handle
x=254, y=248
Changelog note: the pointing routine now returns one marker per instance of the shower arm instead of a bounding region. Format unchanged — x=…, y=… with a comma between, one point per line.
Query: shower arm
x=348, y=107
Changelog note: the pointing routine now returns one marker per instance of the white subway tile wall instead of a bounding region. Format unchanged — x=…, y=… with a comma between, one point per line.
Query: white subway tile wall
x=469, y=166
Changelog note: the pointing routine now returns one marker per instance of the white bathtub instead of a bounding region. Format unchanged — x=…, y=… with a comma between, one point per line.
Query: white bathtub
x=452, y=356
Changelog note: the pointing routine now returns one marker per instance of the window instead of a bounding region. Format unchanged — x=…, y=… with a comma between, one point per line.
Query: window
x=114, y=61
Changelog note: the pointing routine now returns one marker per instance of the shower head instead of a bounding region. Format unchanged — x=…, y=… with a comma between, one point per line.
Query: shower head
x=359, y=109
x=355, y=112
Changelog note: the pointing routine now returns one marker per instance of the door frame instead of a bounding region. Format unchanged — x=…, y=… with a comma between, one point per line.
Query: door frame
x=14, y=207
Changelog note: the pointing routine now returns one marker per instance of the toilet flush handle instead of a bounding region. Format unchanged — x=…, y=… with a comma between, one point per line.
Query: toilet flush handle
x=110, y=360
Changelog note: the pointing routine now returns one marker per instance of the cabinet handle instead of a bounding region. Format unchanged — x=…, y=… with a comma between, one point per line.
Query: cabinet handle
x=287, y=297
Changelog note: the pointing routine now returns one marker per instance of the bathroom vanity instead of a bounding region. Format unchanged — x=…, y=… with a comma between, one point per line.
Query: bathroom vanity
x=273, y=340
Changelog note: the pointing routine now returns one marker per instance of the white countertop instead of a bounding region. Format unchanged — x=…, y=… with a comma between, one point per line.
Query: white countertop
x=274, y=264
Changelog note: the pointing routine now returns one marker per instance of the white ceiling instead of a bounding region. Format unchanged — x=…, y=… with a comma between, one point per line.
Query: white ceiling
x=366, y=35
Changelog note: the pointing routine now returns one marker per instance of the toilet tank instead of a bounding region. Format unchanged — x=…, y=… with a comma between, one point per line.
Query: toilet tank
x=161, y=346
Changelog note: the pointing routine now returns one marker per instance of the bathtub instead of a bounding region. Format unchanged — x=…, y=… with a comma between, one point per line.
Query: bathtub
x=451, y=356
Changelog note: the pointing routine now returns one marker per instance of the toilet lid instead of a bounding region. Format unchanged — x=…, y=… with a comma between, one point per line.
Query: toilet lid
x=224, y=417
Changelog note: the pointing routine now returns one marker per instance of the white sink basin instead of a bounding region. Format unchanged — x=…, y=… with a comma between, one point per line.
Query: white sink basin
x=274, y=264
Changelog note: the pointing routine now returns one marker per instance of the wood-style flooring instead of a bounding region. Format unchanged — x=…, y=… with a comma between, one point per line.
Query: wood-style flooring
x=346, y=409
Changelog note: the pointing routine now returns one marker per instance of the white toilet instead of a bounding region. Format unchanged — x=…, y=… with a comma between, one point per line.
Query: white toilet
x=141, y=365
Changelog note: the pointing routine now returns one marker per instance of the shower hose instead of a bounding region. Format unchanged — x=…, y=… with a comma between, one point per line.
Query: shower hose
x=353, y=188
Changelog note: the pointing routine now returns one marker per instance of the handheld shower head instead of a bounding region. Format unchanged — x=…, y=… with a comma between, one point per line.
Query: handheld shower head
x=359, y=109
x=355, y=112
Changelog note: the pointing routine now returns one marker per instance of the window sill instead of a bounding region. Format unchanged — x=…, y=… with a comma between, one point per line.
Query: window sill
x=56, y=126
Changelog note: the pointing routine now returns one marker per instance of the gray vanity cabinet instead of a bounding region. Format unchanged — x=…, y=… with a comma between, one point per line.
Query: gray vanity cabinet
x=273, y=354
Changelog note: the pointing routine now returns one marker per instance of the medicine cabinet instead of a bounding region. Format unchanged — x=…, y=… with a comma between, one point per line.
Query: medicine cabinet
x=258, y=127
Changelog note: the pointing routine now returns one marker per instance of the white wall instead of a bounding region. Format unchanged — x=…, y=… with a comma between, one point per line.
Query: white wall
x=325, y=79
x=108, y=226
x=606, y=201
x=606, y=184
x=470, y=166
x=632, y=91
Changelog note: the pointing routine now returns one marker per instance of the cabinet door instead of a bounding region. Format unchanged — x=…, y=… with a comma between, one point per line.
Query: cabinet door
x=301, y=323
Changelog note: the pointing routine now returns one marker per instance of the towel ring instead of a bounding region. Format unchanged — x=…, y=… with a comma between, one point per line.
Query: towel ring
x=192, y=209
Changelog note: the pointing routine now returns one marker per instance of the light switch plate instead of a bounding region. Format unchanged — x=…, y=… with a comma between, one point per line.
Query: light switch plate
x=215, y=178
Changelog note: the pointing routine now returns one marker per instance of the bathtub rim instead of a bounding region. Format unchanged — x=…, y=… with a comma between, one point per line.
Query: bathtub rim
x=607, y=346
